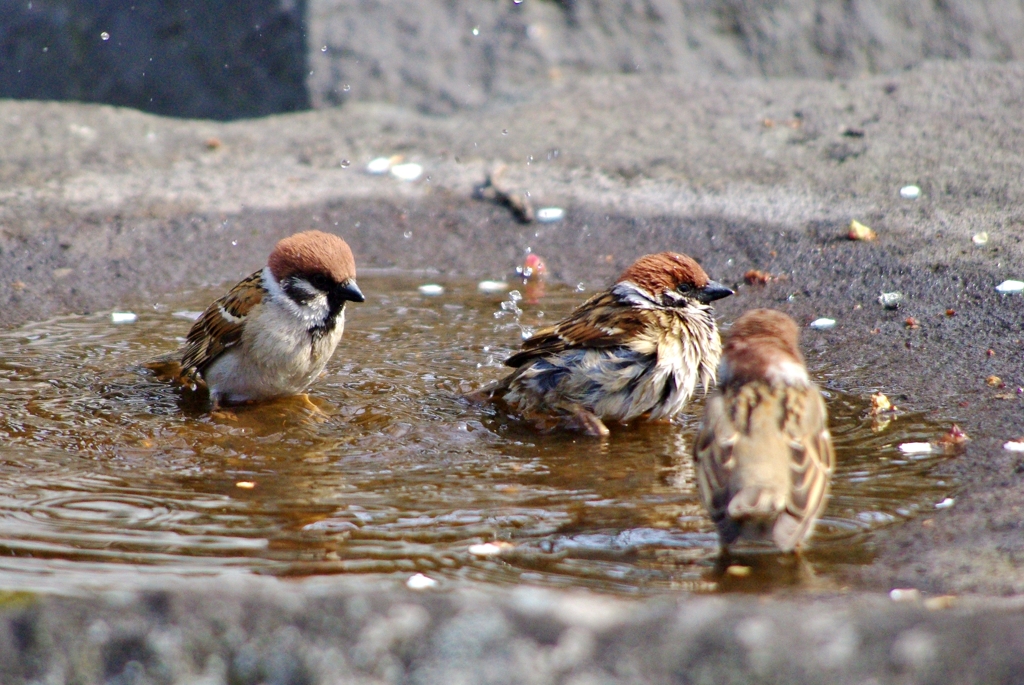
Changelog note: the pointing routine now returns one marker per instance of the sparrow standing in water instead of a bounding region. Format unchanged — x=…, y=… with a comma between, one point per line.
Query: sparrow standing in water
x=635, y=350
x=273, y=333
x=764, y=454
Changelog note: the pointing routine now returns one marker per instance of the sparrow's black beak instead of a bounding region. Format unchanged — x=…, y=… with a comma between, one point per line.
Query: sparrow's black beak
x=348, y=290
x=713, y=291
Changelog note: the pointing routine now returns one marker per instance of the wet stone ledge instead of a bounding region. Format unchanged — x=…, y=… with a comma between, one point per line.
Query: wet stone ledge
x=342, y=631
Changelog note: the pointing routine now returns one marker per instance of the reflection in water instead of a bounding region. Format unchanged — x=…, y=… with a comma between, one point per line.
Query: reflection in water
x=384, y=470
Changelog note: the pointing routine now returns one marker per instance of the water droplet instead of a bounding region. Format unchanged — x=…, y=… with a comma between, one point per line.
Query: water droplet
x=407, y=234
x=504, y=131
x=345, y=88
x=234, y=243
x=517, y=2
x=323, y=49
x=580, y=287
x=105, y=36
x=476, y=30
x=345, y=163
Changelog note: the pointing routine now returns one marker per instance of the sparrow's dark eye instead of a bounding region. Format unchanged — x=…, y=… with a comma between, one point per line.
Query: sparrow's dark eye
x=320, y=282
x=684, y=288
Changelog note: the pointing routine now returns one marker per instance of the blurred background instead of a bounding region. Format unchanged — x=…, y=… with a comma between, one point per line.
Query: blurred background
x=235, y=59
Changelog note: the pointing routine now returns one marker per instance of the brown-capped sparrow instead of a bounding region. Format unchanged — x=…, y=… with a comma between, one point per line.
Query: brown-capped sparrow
x=633, y=351
x=273, y=333
x=764, y=453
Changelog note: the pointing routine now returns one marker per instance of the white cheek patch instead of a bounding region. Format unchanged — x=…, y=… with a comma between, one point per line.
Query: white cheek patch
x=787, y=373
x=628, y=291
x=313, y=313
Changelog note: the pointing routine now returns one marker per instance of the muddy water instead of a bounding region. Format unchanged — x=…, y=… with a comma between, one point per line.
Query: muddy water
x=384, y=470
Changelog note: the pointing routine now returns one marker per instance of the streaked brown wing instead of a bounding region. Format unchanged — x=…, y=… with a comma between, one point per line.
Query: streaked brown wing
x=712, y=452
x=220, y=326
x=601, y=321
x=812, y=455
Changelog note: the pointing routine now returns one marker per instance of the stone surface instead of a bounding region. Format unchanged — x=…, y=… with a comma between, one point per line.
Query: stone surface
x=187, y=58
x=231, y=59
x=440, y=56
x=338, y=631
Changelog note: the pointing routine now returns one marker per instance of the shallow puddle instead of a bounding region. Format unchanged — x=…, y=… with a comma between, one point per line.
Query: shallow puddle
x=103, y=471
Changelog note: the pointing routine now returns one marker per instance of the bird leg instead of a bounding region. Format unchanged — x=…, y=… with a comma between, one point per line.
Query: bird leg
x=586, y=422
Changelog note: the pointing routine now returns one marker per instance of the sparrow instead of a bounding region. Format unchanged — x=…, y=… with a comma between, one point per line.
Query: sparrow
x=634, y=350
x=272, y=334
x=763, y=452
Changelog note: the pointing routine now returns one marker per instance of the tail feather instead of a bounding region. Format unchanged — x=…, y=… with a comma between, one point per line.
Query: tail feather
x=757, y=503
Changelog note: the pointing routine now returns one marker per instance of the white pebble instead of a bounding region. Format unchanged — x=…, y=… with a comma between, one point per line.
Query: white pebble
x=980, y=238
x=187, y=314
x=492, y=286
x=123, y=317
x=905, y=595
x=407, y=172
x=916, y=448
x=1014, y=446
x=945, y=504
x=910, y=192
x=550, y=214
x=823, y=324
x=420, y=582
x=1010, y=287
x=380, y=165
x=489, y=549
x=890, y=300
x=431, y=289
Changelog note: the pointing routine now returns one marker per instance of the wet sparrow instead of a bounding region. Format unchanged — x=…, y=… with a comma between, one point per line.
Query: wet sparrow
x=764, y=453
x=273, y=333
x=634, y=350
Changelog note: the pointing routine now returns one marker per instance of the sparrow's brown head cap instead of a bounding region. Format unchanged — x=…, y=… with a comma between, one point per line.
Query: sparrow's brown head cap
x=759, y=339
x=663, y=271
x=313, y=252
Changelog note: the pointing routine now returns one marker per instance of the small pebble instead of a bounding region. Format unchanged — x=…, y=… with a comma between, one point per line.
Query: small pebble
x=187, y=314
x=859, y=231
x=492, y=286
x=1014, y=446
x=420, y=582
x=245, y=484
x=905, y=595
x=945, y=504
x=123, y=317
x=431, y=289
x=940, y=602
x=823, y=324
x=980, y=238
x=910, y=192
x=489, y=549
x=407, y=172
x=380, y=165
x=916, y=448
x=890, y=300
x=880, y=404
x=738, y=571
x=550, y=214
x=1010, y=287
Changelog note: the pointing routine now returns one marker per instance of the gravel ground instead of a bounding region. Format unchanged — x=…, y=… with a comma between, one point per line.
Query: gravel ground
x=104, y=208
